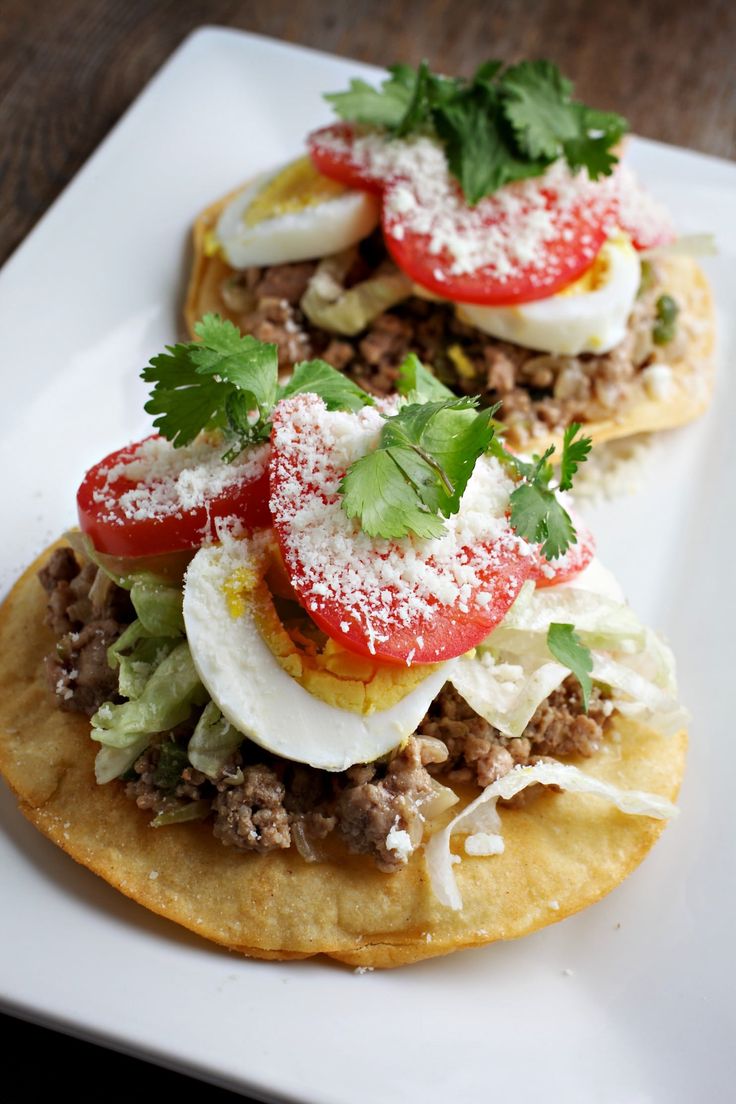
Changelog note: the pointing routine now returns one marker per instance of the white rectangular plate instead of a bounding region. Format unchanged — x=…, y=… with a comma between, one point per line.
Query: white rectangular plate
x=631, y=1000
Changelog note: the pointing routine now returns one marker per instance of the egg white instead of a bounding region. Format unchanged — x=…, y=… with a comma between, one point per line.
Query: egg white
x=262, y=700
x=315, y=231
x=569, y=323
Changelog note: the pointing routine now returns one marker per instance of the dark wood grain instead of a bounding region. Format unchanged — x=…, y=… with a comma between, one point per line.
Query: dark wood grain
x=69, y=68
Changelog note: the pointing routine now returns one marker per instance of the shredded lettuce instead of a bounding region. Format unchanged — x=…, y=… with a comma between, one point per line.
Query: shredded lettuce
x=192, y=810
x=158, y=606
x=111, y=762
x=506, y=694
x=158, y=685
x=638, y=697
x=117, y=568
x=136, y=666
x=599, y=621
x=213, y=742
x=328, y=304
x=83, y=546
x=481, y=818
x=513, y=671
x=689, y=245
x=165, y=701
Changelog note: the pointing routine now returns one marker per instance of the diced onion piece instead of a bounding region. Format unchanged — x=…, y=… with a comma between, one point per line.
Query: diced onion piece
x=441, y=799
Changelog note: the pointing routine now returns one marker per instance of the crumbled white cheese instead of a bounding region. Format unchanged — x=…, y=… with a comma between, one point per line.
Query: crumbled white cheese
x=658, y=381
x=614, y=468
x=506, y=232
x=398, y=840
x=484, y=843
x=169, y=481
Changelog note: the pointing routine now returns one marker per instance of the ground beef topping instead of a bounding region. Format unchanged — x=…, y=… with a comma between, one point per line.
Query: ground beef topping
x=262, y=803
x=88, y=612
x=478, y=752
x=374, y=807
x=540, y=392
x=251, y=816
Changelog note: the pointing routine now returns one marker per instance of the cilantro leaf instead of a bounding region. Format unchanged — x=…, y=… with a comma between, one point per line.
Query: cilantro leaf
x=538, y=517
x=213, y=383
x=573, y=453
x=388, y=106
x=487, y=72
x=425, y=457
x=417, y=383
x=418, y=107
x=536, y=513
x=474, y=147
x=229, y=381
x=536, y=103
x=567, y=648
x=559, y=531
x=320, y=378
x=501, y=125
x=448, y=437
x=251, y=365
x=591, y=146
x=184, y=402
x=375, y=491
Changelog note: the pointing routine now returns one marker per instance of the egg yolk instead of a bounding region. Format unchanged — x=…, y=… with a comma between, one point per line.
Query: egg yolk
x=598, y=273
x=321, y=665
x=295, y=188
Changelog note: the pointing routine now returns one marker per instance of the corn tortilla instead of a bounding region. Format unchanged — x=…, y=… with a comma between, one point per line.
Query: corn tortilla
x=569, y=849
x=692, y=374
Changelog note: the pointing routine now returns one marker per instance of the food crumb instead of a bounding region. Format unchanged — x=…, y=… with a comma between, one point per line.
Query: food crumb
x=363, y=970
x=67, y=824
x=153, y=875
x=617, y=926
x=616, y=469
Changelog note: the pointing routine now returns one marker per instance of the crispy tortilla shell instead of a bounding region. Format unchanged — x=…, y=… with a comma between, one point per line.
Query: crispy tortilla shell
x=692, y=372
x=564, y=850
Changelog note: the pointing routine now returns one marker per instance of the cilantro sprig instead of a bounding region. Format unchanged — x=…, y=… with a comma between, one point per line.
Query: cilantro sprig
x=426, y=452
x=537, y=515
x=230, y=382
x=418, y=472
x=503, y=124
x=568, y=649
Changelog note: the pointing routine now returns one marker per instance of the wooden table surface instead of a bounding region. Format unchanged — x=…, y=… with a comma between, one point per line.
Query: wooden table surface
x=70, y=68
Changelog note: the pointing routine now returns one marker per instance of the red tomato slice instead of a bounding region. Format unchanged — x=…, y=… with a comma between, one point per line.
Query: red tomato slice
x=548, y=573
x=142, y=531
x=541, y=235
x=578, y=230
x=329, y=149
x=347, y=582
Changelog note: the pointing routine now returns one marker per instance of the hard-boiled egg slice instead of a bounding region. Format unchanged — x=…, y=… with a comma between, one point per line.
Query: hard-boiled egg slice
x=588, y=316
x=293, y=215
x=231, y=621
